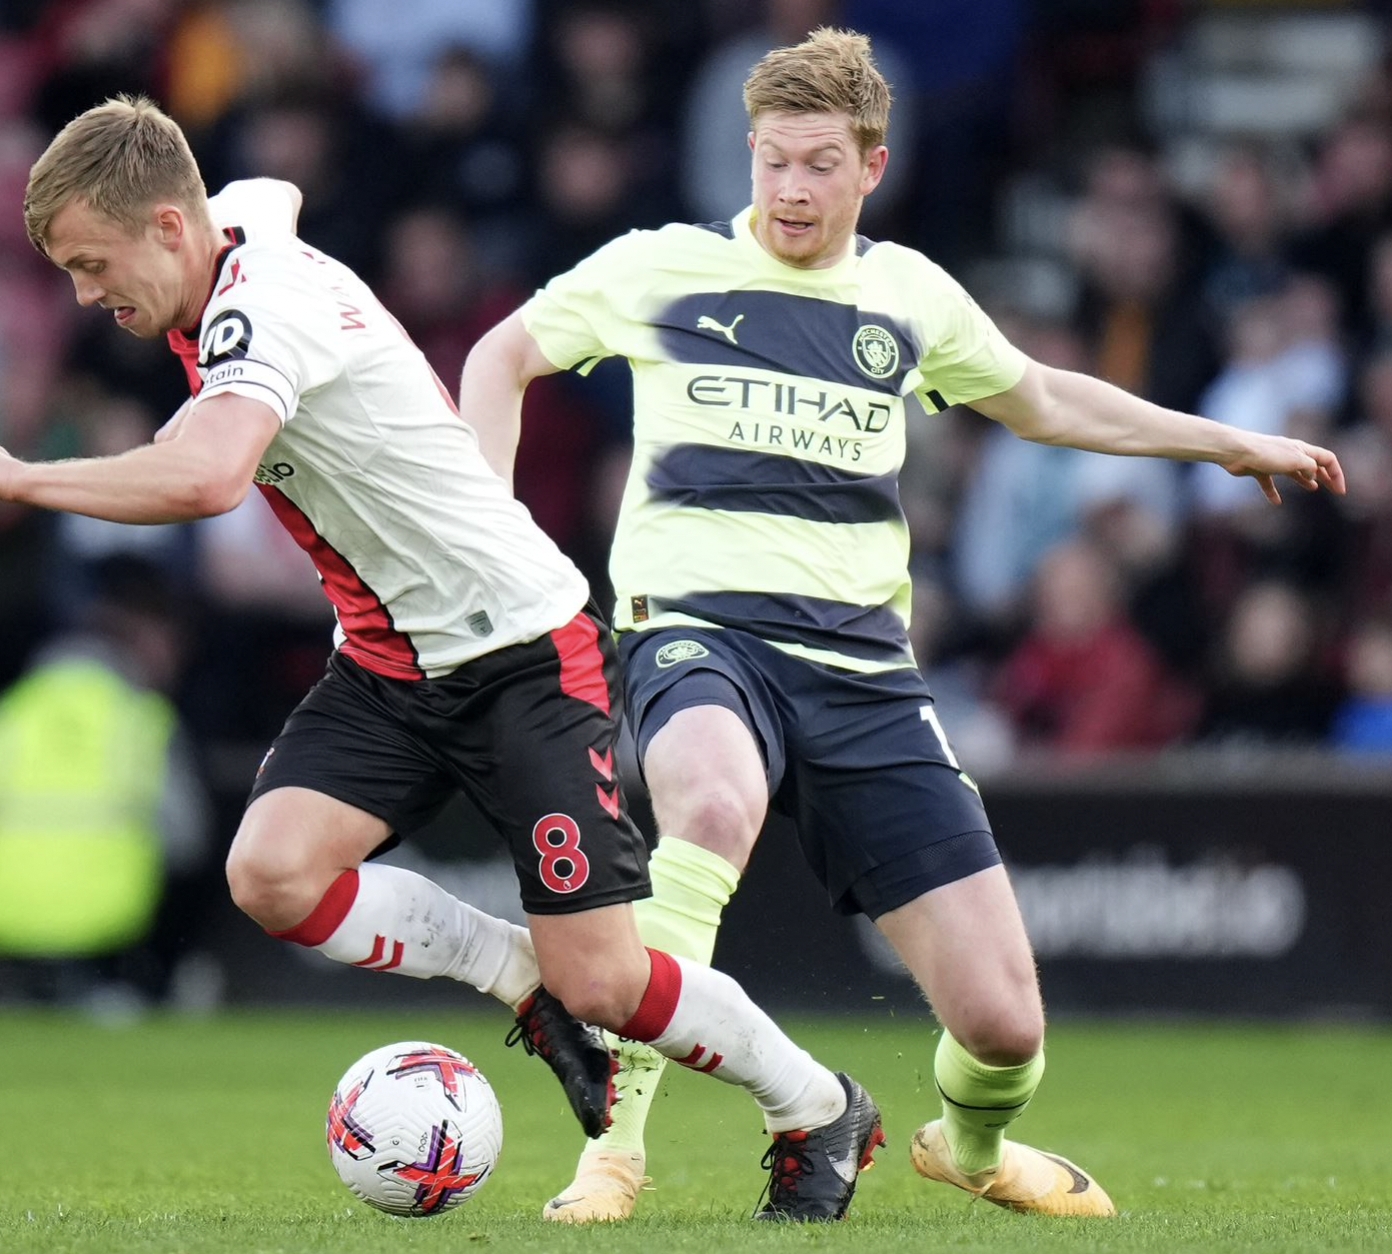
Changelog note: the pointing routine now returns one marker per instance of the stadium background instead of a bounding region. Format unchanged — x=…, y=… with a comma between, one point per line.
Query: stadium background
x=1177, y=700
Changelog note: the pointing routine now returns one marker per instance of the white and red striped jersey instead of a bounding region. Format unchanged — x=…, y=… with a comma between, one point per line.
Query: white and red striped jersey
x=428, y=559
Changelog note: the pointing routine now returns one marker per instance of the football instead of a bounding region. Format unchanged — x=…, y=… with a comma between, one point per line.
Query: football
x=414, y=1129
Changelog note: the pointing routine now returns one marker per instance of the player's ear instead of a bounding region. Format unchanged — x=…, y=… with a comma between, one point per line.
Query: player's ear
x=170, y=225
x=873, y=168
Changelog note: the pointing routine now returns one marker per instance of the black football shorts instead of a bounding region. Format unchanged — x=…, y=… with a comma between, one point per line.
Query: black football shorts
x=528, y=734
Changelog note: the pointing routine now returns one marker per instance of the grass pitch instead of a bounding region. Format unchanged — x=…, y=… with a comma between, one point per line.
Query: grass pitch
x=189, y=1136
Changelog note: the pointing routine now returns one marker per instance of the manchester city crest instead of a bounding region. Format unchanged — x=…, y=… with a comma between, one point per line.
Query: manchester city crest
x=876, y=351
x=680, y=651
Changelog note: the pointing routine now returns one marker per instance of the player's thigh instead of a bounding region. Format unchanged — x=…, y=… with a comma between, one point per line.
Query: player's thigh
x=540, y=761
x=344, y=775
x=300, y=834
x=964, y=942
x=708, y=734
x=707, y=780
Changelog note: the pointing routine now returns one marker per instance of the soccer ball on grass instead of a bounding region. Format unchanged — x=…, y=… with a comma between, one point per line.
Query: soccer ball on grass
x=414, y=1128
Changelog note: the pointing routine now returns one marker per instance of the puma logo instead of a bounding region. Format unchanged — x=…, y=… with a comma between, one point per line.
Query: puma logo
x=1080, y=1181
x=706, y=323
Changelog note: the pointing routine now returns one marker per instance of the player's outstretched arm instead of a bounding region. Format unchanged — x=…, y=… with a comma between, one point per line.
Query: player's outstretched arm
x=204, y=468
x=496, y=374
x=1051, y=406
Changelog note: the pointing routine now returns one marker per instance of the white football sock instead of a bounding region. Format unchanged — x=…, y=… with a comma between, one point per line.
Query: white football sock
x=384, y=918
x=703, y=1020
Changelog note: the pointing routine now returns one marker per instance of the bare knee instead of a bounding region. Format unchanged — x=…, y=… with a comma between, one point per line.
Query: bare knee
x=717, y=817
x=276, y=890
x=604, y=999
x=1008, y=1036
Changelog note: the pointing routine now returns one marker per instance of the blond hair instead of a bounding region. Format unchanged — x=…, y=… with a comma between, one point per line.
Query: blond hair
x=831, y=71
x=118, y=158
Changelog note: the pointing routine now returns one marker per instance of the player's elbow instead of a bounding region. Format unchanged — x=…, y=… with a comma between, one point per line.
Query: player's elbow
x=508, y=354
x=215, y=490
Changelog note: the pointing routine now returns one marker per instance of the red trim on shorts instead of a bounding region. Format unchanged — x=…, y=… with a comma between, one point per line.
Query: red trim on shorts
x=373, y=641
x=582, y=663
x=660, y=998
x=324, y=919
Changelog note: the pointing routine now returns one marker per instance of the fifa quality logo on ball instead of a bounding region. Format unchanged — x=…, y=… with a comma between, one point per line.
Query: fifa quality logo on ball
x=414, y=1129
x=876, y=351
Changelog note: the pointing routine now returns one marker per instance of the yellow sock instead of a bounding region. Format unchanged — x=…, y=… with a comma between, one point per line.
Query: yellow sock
x=691, y=887
x=980, y=1102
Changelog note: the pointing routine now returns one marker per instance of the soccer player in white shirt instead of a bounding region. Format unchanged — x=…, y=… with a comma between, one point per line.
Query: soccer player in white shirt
x=763, y=591
x=466, y=658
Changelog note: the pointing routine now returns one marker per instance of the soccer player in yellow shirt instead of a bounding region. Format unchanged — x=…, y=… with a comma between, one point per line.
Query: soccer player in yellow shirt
x=760, y=565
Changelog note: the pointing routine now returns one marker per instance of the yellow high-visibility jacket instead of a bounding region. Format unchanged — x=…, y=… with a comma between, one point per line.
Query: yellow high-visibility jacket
x=83, y=756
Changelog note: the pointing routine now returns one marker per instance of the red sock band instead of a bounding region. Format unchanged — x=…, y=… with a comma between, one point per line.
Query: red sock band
x=324, y=919
x=659, y=1002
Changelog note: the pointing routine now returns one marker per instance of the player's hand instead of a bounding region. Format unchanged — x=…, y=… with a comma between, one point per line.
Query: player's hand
x=1308, y=465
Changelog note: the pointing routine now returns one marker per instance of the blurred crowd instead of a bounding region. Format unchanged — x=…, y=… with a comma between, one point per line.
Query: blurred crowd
x=459, y=152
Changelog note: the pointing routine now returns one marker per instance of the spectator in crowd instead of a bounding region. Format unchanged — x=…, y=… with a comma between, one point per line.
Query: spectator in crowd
x=343, y=160
x=1269, y=688
x=1250, y=216
x=92, y=48
x=437, y=284
x=1021, y=499
x=102, y=812
x=1367, y=443
x=1286, y=374
x=34, y=324
x=589, y=187
x=1362, y=722
x=1142, y=317
x=465, y=147
x=1084, y=680
x=224, y=56
x=398, y=44
x=1351, y=209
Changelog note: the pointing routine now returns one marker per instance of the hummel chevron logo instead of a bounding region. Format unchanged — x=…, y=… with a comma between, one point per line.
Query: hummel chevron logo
x=706, y=323
x=374, y=960
x=604, y=765
x=702, y=1058
x=610, y=803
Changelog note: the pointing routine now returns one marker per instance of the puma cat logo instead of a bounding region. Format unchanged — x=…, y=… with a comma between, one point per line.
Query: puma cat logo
x=706, y=323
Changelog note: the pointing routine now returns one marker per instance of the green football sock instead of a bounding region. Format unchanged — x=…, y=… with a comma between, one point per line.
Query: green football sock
x=980, y=1101
x=691, y=887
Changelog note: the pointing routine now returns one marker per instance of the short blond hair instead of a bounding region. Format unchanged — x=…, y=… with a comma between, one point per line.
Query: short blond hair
x=831, y=71
x=119, y=158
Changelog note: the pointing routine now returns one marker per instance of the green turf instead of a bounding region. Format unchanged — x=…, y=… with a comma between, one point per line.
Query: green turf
x=178, y=1135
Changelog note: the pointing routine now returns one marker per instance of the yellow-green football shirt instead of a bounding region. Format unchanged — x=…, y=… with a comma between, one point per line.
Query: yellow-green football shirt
x=769, y=427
